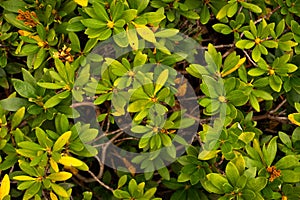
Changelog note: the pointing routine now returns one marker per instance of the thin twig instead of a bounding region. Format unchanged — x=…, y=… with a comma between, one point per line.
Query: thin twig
x=278, y=107
x=75, y=105
x=124, y=139
x=100, y=182
x=249, y=58
x=221, y=46
x=268, y=15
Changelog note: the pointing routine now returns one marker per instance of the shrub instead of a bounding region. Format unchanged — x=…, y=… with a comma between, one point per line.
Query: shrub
x=149, y=99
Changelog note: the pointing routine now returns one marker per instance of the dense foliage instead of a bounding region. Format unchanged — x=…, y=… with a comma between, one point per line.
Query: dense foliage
x=150, y=99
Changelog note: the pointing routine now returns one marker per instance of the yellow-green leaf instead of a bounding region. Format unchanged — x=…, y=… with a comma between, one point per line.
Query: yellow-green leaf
x=5, y=187
x=82, y=3
x=24, y=178
x=60, y=176
x=59, y=190
x=70, y=161
x=146, y=33
x=61, y=141
x=53, y=196
x=161, y=80
x=17, y=118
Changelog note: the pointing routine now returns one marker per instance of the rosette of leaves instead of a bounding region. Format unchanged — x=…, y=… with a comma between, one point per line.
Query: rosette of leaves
x=222, y=97
x=258, y=37
x=159, y=137
x=285, y=40
x=229, y=140
x=289, y=8
x=156, y=89
x=45, y=155
x=284, y=170
x=132, y=190
x=275, y=71
x=124, y=21
x=238, y=182
x=193, y=169
x=101, y=24
x=214, y=66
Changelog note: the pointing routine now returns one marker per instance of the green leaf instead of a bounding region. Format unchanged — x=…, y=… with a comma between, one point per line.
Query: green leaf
x=244, y=44
x=223, y=12
x=13, y=6
x=270, y=44
x=122, y=181
x=24, y=89
x=254, y=103
x=150, y=193
x=132, y=187
x=237, y=97
x=164, y=172
x=61, y=141
x=263, y=94
x=30, y=146
x=222, y=28
x=142, y=5
x=166, y=33
x=207, y=155
x=29, y=49
x=246, y=137
x=232, y=9
x=288, y=162
x=93, y=23
x=191, y=14
x=290, y=176
x=257, y=184
x=217, y=180
x=100, y=11
x=252, y=7
x=204, y=15
x=270, y=152
x=256, y=53
x=52, y=86
x=140, y=129
x=285, y=139
x=75, y=43
x=121, y=194
x=56, y=99
x=232, y=173
x=39, y=58
x=275, y=83
x=256, y=72
x=32, y=190
x=88, y=135
x=12, y=19
x=129, y=15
